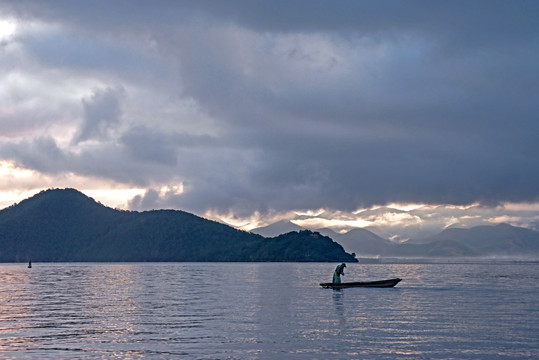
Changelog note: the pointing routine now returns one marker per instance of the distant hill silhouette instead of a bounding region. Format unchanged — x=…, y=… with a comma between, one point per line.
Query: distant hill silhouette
x=277, y=228
x=357, y=239
x=361, y=240
x=66, y=225
x=502, y=240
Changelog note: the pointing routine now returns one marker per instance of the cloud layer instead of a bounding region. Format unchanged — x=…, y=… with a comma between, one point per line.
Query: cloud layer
x=250, y=107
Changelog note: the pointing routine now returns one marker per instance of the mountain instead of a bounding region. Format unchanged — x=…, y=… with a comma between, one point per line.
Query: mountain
x=359, y=241
x=502, y=239
x=276, y=229
x=302, y=245
x=356, y=240
x=484, y=240
x=66, y=225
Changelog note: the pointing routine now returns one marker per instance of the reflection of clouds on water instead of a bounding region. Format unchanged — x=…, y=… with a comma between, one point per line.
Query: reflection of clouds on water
x=16, y=302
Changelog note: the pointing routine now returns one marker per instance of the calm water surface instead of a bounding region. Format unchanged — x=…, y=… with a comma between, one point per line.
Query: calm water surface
x=268, y=311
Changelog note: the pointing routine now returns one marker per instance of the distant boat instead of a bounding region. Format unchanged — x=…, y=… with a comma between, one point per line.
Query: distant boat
x=377, y=284
x=29, y=264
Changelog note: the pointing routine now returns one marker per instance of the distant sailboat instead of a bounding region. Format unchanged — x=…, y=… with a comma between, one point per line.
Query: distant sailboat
x=30, y=264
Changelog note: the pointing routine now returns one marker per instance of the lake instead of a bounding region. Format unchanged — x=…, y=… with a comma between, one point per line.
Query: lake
x=268, y=311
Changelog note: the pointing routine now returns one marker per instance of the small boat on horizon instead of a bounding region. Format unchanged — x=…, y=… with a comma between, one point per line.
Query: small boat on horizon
x=378, y=284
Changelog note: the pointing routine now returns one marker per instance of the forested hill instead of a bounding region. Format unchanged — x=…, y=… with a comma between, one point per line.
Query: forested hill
x=66, y=225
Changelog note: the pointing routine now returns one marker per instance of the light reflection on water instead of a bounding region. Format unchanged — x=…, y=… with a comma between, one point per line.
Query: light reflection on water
x=267, y=311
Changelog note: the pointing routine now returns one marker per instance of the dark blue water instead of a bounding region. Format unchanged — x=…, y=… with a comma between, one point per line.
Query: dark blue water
x=268, y=311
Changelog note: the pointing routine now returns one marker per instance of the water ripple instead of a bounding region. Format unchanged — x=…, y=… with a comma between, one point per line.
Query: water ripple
x=267, y=311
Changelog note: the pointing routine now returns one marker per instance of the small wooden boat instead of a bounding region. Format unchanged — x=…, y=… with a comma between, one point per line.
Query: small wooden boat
x=378, y=284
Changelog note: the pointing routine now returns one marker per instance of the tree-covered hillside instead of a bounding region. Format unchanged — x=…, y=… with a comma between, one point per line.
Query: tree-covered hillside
x=66, y=225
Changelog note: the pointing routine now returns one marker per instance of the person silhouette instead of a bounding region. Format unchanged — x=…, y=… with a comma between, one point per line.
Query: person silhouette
x=338, y=272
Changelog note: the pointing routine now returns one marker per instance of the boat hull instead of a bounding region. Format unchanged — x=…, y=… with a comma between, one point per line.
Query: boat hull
x=377, y=284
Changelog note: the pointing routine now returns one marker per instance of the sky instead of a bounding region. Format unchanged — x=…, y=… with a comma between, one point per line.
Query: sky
x=342, y=114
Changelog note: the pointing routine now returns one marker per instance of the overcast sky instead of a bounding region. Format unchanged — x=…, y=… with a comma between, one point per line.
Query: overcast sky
x=255, y=110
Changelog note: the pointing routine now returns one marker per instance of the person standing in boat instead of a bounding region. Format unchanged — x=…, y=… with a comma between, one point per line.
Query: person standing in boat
x=338, y=272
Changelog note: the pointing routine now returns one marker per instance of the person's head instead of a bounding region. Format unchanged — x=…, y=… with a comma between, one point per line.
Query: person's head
x=343, y=265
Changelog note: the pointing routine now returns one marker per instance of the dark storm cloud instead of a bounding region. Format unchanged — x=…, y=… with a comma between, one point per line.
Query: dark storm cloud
x=101, y=112
x=412, y=129
x=314, y=104
x=146, y=145
x=41, y=154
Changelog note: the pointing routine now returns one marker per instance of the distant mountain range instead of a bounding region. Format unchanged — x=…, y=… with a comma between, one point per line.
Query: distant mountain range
x=495, y=240
x=66, y=225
